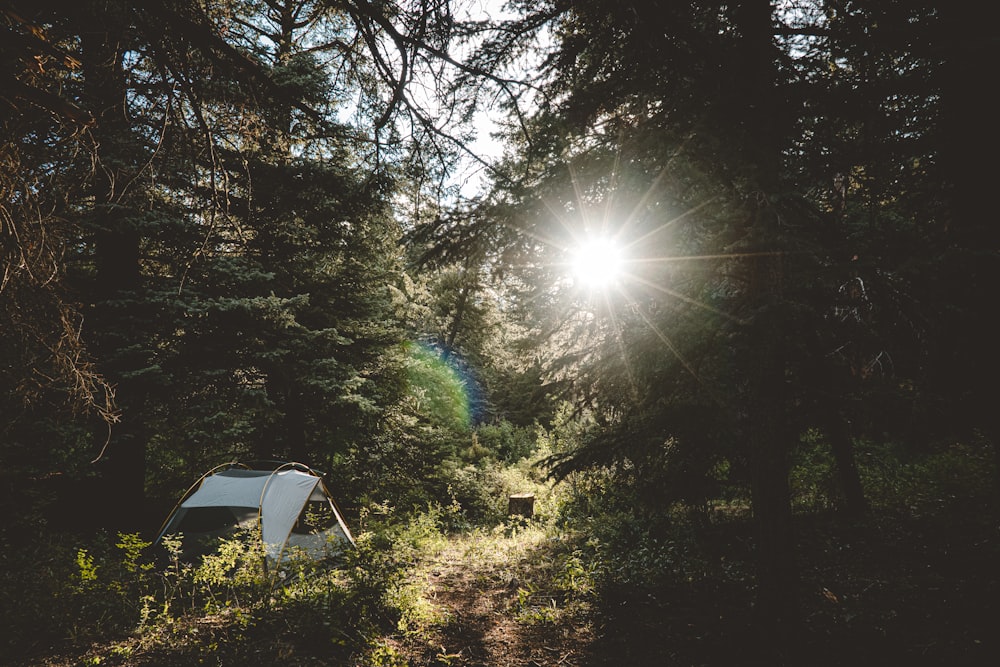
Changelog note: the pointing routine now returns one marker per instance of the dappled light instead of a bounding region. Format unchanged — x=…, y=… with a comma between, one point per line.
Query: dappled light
x=567, y=334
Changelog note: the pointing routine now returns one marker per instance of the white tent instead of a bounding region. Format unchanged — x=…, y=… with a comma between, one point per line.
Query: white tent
x=291, y=507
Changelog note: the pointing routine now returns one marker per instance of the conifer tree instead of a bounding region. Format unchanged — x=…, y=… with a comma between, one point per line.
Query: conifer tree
x=229, y=245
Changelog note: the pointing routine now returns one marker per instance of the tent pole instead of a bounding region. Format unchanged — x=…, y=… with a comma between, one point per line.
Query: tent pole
x=187, y=494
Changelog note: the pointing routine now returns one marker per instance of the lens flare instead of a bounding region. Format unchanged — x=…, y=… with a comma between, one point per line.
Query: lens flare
x=440, y=387
x=597, y=263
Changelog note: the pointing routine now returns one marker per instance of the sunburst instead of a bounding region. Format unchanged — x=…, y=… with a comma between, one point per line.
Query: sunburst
x=597, y=263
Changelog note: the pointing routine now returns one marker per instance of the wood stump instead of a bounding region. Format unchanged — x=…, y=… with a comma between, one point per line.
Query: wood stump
x=521, y=504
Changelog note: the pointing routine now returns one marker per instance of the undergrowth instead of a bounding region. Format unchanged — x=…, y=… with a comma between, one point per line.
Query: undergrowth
x=144, y=605
x=592, y=550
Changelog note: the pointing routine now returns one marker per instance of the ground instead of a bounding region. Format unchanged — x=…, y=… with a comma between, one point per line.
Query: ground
x=920, y=590
x=900, y=590
x=495, y=603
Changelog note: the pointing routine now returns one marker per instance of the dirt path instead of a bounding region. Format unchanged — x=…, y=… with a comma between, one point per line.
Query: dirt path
x=491, y=615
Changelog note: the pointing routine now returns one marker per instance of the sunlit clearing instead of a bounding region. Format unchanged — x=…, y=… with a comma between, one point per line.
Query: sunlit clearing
x=597, y=263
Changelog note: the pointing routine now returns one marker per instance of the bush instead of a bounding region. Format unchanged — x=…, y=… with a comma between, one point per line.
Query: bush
x=949, y=473
x=506, y=442
x=812, y=477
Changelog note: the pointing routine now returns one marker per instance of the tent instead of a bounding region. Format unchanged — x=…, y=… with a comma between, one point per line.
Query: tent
x=289, y=505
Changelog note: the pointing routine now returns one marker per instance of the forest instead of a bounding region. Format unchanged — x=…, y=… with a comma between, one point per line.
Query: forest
x=710, y=283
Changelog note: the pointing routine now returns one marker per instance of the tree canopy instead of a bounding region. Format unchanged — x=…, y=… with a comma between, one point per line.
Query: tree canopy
x=717, y=235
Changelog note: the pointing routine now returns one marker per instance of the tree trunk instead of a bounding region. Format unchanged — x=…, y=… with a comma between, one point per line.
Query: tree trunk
x=465, y=292
x=295, y=426
x=841, y=444
x=834, y=385
x=768, y=433
x=521, y=504
x=971, y=140
x=768, y=438
x=116, y=255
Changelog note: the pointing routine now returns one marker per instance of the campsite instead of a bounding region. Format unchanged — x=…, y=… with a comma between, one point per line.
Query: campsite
x=496, y=333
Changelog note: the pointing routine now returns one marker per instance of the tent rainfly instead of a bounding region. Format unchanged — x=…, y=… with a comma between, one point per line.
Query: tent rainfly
x=290, y=506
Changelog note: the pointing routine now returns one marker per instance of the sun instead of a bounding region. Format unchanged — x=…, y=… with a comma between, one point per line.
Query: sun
x=597, y=263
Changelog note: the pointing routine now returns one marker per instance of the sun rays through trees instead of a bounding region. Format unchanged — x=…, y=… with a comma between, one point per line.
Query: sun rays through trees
x=719, y=295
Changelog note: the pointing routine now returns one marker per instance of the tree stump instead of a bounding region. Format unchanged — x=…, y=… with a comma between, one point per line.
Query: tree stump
x=521, y=504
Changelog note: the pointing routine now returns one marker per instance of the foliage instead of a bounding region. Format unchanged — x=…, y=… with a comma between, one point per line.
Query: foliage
x=780, y=238
x=145, y=606
x=96, y=592
x=60, y=589
x=506, y=442
x=223, y=235
x=227, y=237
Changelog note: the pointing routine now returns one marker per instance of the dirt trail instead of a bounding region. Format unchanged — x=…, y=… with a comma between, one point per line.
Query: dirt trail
x=490, y=620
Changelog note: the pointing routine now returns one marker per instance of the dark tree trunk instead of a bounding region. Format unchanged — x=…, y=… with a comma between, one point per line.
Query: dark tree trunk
x=768, y=438
x=284, y=438
x=971, y=141
x=842, y=445
x=834, y=386
x=465, y=293
x=295, y=425
x=116, y=256
x=270, y=444
x=768, y=430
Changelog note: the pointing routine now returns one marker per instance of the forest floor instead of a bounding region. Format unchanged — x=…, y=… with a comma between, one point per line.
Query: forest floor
x=501, y=601
x=916, y=590
x=919, y=590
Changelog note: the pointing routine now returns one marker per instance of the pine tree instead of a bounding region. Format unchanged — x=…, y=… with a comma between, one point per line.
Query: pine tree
x=231, y=240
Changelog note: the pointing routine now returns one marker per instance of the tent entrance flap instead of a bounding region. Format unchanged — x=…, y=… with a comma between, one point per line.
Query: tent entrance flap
x=282, y=502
